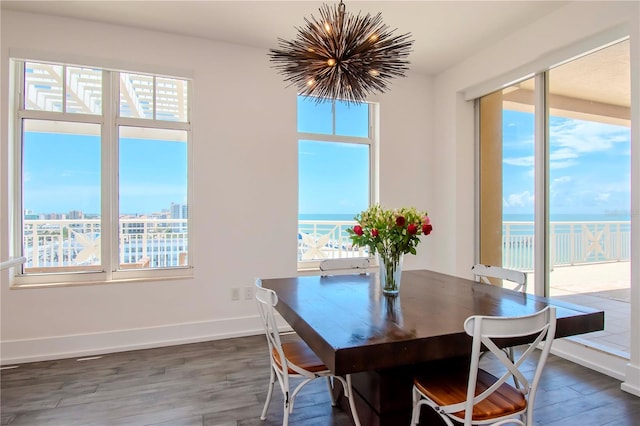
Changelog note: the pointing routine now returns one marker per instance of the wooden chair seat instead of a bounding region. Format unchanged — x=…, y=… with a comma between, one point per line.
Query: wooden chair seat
x=301, y=355
x=448, y=389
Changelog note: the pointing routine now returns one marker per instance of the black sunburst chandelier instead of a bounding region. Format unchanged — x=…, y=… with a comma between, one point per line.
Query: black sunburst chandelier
x=342, y=56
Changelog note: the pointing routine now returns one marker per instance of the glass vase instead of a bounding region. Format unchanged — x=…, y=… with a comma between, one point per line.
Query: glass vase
x=390, y=273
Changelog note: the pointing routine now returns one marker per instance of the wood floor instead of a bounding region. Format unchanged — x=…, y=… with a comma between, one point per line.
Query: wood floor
x=224, y=383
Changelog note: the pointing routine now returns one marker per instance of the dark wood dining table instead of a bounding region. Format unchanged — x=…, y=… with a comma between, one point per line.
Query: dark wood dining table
x=384, y=341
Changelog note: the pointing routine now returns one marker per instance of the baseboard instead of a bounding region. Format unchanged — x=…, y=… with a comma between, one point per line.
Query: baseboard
x=632, y=382
x=613, y=365
x=81, y=345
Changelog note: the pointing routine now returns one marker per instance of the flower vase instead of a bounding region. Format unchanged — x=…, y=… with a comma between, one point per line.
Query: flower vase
x=390, y=273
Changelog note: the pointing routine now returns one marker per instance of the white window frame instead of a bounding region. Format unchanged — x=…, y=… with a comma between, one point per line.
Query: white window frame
x=371, y=140
x=110, y=122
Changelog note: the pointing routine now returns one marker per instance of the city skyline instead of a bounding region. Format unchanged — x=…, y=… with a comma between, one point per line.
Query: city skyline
x=77, y=214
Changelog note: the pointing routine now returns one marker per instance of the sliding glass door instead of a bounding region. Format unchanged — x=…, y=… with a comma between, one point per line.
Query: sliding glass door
x=589, y=188
x=583, y=109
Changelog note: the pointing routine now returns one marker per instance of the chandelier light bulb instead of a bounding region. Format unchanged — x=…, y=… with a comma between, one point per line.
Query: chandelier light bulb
x=331, y=62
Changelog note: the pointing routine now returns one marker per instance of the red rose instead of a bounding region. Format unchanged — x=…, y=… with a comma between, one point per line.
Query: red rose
x=412, y=228
x=358, y=230
x=426, y=229
x=400, y=220
x=374, y=232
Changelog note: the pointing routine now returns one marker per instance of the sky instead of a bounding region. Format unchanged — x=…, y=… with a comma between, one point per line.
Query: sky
x=62, y=173
x=589, y=166
x=589, y=173
x=333, y=177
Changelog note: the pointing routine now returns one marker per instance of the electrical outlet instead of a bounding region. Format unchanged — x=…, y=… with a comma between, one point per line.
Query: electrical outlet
x=248, y=293
x=235, y=294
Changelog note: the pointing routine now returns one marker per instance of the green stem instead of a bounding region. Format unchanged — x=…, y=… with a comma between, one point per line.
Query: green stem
x=390, y=263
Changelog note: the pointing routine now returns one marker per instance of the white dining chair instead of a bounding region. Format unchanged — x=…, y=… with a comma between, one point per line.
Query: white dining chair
x=344, y=264
x=517, y=278
x=477, y=397
x=293, y=360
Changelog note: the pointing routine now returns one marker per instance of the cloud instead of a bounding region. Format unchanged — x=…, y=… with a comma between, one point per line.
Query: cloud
x=563, y=154
x=519, y=141
x=578, y=136
x=519, y=161
x=588, y=162
x=522, y=199
x=563, y=191
x=558, y=184
x=562, y=164
x=570, y=140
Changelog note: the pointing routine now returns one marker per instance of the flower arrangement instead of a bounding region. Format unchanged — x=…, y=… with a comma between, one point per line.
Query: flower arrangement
x=390, y=233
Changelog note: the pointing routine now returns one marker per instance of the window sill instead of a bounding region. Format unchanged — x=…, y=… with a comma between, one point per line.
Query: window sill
x=26, y=283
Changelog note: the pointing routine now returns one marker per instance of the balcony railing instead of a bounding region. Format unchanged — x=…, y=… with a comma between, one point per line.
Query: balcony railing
x=326, y=239
x=74, y=244
x=161, y=243
x=572, y=243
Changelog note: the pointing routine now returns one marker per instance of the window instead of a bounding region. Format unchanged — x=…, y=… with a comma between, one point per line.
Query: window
x=103, y=161
x=335, y=175
x=565, y=137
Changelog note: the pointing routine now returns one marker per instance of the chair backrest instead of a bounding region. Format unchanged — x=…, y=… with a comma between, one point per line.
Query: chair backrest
x=344, y=264
x=486, y=329
x=267, y=299
x=484, y=272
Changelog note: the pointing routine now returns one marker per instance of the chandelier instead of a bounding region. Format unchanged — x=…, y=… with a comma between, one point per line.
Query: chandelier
x=342, y=56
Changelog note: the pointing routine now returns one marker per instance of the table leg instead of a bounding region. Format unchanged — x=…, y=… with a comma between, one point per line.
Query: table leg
x=384, y=397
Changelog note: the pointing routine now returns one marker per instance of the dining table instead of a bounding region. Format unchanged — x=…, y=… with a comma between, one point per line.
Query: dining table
x=383, y=341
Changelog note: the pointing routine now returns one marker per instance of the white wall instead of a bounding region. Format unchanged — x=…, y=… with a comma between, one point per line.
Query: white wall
x=245, y=180
x=531, y=49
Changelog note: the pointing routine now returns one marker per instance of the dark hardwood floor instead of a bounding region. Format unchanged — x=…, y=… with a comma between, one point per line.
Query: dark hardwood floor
x=224, y=383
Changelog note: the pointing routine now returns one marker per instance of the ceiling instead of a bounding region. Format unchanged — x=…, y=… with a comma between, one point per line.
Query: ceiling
x=445, y=32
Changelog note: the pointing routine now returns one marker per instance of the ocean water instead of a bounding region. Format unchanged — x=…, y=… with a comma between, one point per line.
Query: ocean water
x=575, y=217
x=572, y=217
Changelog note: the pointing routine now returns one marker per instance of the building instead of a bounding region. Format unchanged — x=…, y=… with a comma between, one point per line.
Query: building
x=243, y=208
x=178, y=211
x=75, y=214
x=30, y=215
